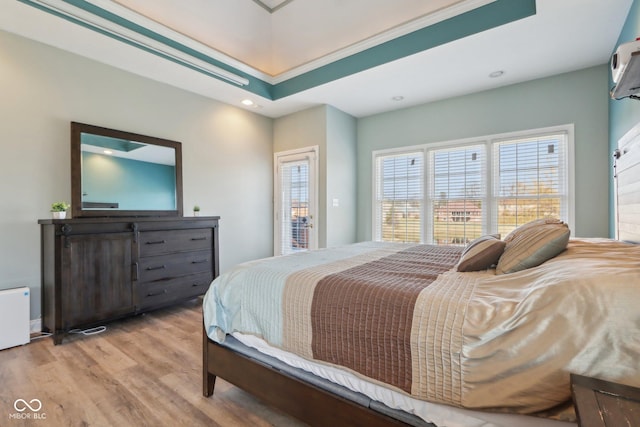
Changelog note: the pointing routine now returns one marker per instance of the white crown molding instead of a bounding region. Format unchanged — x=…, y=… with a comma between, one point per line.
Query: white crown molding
x=156, y=27
x=401, y=30
x=125, y=13
x=152, y=44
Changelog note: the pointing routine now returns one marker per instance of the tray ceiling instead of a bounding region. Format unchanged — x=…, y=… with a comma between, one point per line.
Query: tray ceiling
x=302, y=32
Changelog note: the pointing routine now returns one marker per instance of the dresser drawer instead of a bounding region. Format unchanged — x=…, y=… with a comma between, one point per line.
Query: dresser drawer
x=174, y=265
x=163, y=242
x=160, y=292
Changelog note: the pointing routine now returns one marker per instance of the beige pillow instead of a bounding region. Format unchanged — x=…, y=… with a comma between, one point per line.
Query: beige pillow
x=531, y=245
x=535, y=223
x=482, y=253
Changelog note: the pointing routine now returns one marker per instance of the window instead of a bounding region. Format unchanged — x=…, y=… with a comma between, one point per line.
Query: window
x=399, y=200
x=457, y=194
x=294, y=185
x=475, y=187
x=530, y=180
x=295, y=200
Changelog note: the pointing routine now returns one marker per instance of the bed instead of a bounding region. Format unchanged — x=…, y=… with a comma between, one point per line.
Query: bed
x=395, y=334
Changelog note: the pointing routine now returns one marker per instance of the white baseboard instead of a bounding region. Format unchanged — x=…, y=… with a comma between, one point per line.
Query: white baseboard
x=35, y=325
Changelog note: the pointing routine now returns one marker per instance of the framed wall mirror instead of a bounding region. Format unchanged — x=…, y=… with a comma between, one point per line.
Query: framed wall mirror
x=116, y=173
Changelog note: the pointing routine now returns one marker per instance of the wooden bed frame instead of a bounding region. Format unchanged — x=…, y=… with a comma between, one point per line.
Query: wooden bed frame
x=319, y=407
x=296, y=397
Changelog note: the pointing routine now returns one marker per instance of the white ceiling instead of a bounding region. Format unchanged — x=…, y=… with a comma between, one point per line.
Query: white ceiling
x=296, y=33
x=563, y=36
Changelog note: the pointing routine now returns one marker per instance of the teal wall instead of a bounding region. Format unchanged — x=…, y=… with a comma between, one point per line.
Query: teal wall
x=624, y=113
x=578, y=98
x=134, y=185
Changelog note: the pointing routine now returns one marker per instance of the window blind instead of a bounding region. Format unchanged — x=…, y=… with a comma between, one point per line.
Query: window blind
x=294, y=220
x=457, y=194
x=473, y=187
x=399, y=200
x=530, y=180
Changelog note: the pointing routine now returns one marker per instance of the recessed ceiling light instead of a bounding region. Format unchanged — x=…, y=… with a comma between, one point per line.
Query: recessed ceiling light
x=247, y=102
x=496, y=74
x=108, y=152
x=397, y=98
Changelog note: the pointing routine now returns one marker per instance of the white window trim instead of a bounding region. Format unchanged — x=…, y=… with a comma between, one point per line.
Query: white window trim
x=374, y=195
x=569, y=129
x=391, y=152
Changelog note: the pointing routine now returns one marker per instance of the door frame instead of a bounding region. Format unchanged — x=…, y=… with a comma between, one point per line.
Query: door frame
x=312, y=153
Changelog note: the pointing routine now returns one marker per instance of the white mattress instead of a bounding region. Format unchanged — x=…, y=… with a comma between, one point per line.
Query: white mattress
x=440, y=415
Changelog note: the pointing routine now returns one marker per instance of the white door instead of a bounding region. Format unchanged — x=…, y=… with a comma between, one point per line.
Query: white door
x=295, y=201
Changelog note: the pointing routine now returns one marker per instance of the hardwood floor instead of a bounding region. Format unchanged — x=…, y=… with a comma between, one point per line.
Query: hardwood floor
x=142, y=371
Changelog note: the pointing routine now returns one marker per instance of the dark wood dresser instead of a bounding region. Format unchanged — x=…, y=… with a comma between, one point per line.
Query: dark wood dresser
x=101, y=269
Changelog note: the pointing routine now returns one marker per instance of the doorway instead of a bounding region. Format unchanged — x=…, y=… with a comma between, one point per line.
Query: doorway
x=295, y=204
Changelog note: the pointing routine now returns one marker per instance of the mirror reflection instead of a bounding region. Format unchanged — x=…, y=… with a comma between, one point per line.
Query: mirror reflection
x=118, y=174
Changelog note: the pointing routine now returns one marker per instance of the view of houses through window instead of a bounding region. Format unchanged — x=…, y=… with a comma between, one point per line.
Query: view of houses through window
x=468, y=190
x=457, y=194
x=531, y=180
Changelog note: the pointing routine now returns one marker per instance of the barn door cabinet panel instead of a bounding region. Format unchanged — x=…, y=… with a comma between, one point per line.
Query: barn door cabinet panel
x=98, y=269
x=102, y=269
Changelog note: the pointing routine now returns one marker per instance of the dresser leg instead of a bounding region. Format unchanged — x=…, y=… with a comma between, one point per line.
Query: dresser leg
x=57, y=337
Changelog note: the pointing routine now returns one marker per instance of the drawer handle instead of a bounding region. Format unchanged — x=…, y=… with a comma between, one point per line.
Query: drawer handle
x=160, y=267
x=155, y=294
x=156, y=242
x=198, y=238
x=199, y=261
x=134, y=272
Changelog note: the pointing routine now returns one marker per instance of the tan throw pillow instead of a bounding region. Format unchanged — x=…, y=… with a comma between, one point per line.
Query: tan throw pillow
x=533, y=245
x=482, y=253
x=535, y=223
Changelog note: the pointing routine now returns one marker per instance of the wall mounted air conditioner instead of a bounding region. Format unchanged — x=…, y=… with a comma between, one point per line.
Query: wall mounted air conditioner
x=14, y=317
x=625, y=70
x=621, y=57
